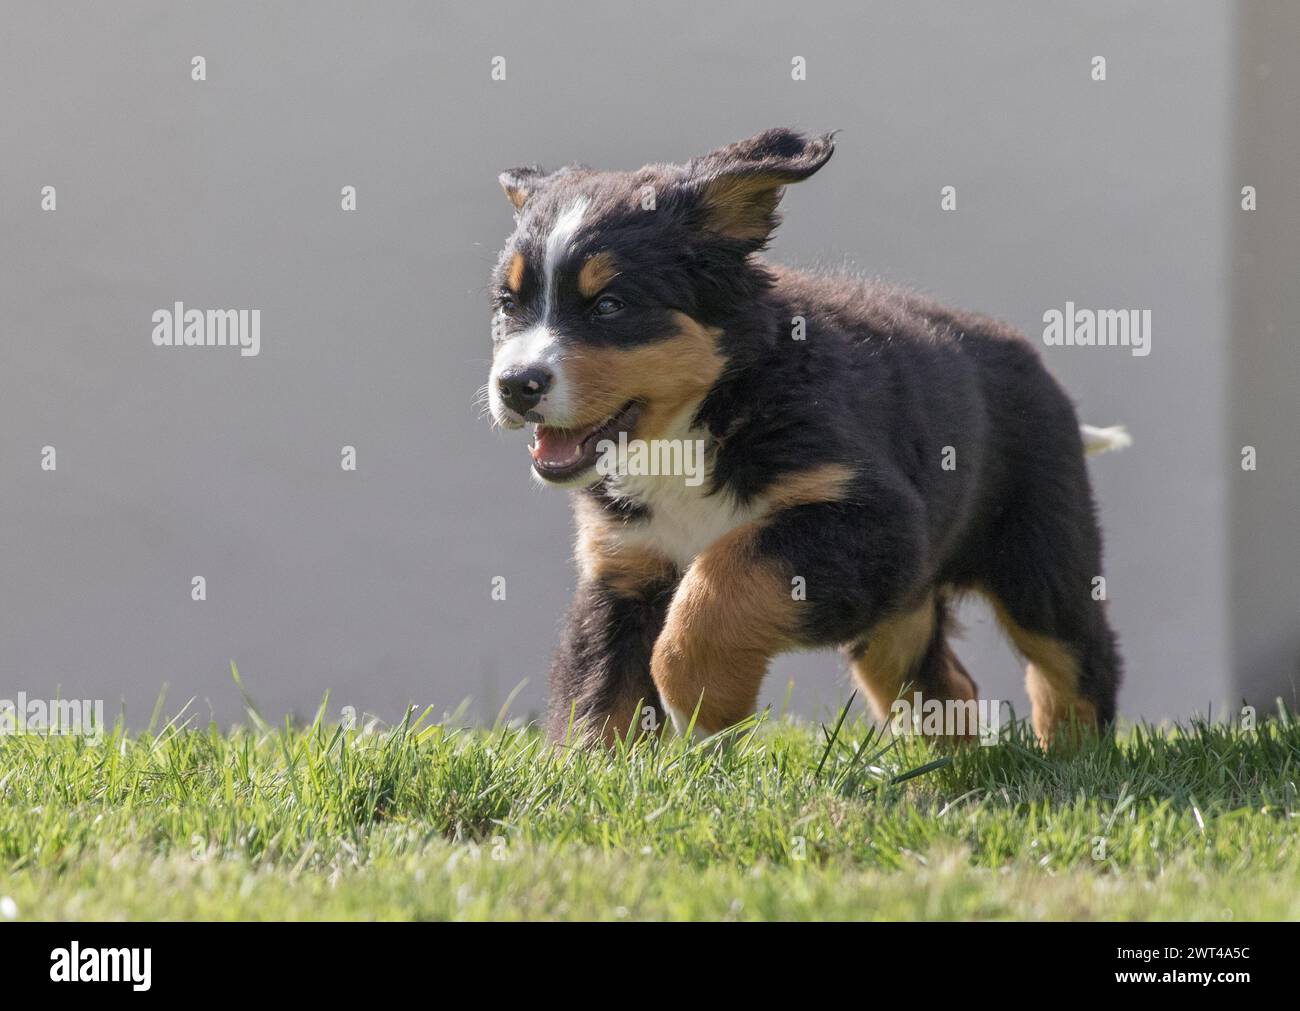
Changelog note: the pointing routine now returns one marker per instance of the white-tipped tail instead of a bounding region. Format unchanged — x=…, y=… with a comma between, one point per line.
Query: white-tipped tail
x=1104, y=440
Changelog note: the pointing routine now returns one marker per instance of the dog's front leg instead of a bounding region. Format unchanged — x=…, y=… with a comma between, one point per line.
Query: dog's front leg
x=600, y=678
x=812, y=575
x=732, y=613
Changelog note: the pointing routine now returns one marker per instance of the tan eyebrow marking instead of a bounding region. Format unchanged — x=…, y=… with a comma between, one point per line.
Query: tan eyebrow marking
x=597, y=272
x=515, y=275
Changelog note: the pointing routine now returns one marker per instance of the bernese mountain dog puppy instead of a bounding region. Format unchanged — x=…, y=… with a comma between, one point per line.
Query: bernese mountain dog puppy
x=865, y=455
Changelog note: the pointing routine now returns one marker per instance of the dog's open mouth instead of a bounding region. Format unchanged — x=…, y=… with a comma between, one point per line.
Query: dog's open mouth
x=562, y=453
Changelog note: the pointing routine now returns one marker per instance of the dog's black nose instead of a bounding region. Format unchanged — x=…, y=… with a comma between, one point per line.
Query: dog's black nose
x=521, y=389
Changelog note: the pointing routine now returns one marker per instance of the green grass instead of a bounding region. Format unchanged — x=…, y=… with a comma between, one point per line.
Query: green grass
x=426, y=821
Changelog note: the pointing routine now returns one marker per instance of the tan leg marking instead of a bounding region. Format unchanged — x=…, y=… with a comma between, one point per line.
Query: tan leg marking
x=1051, y=679
x=732, y=613
x=894, y=648
x=597, y=272
x=889, y=666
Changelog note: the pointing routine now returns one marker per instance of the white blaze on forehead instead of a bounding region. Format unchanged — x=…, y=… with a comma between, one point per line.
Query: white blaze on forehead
x=557, y=244
x=538, y=345
x=532, y=347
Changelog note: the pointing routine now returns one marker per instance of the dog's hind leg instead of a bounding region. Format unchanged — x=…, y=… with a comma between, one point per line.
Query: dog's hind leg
x=1042, y=582
x=1073, y=668
x=907, y=653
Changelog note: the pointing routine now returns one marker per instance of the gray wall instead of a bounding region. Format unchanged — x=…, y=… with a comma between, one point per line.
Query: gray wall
x=1264, y=343
x=375, y=585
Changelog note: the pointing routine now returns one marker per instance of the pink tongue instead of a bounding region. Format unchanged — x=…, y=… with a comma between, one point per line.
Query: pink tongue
x=557, y=446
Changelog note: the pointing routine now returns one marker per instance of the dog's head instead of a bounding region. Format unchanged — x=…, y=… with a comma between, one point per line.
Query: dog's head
x=613, y=295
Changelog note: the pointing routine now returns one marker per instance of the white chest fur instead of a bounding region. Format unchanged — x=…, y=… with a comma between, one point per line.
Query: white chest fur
x=683, y=520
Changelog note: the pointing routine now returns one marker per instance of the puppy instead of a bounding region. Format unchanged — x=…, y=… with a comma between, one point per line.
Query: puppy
x=864, y=455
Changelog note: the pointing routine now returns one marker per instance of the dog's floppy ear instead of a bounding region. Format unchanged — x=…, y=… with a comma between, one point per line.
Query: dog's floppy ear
x=740, y=185
x=521, y=183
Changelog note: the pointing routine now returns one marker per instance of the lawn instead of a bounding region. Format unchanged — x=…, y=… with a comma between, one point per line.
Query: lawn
x=785, y=820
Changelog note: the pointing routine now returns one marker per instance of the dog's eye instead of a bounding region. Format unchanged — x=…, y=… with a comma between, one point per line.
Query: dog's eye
x=607, y=305
x=506, y=302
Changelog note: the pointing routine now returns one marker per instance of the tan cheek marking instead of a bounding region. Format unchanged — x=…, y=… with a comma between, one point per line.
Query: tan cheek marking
x=826, y=482
x=668, y=375
x=732, y=613
x=1051, y=679
x=515, y=275
x=597, y=272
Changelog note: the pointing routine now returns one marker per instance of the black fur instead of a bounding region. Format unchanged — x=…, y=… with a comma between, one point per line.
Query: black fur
x=601, y=670
x=885, y=382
